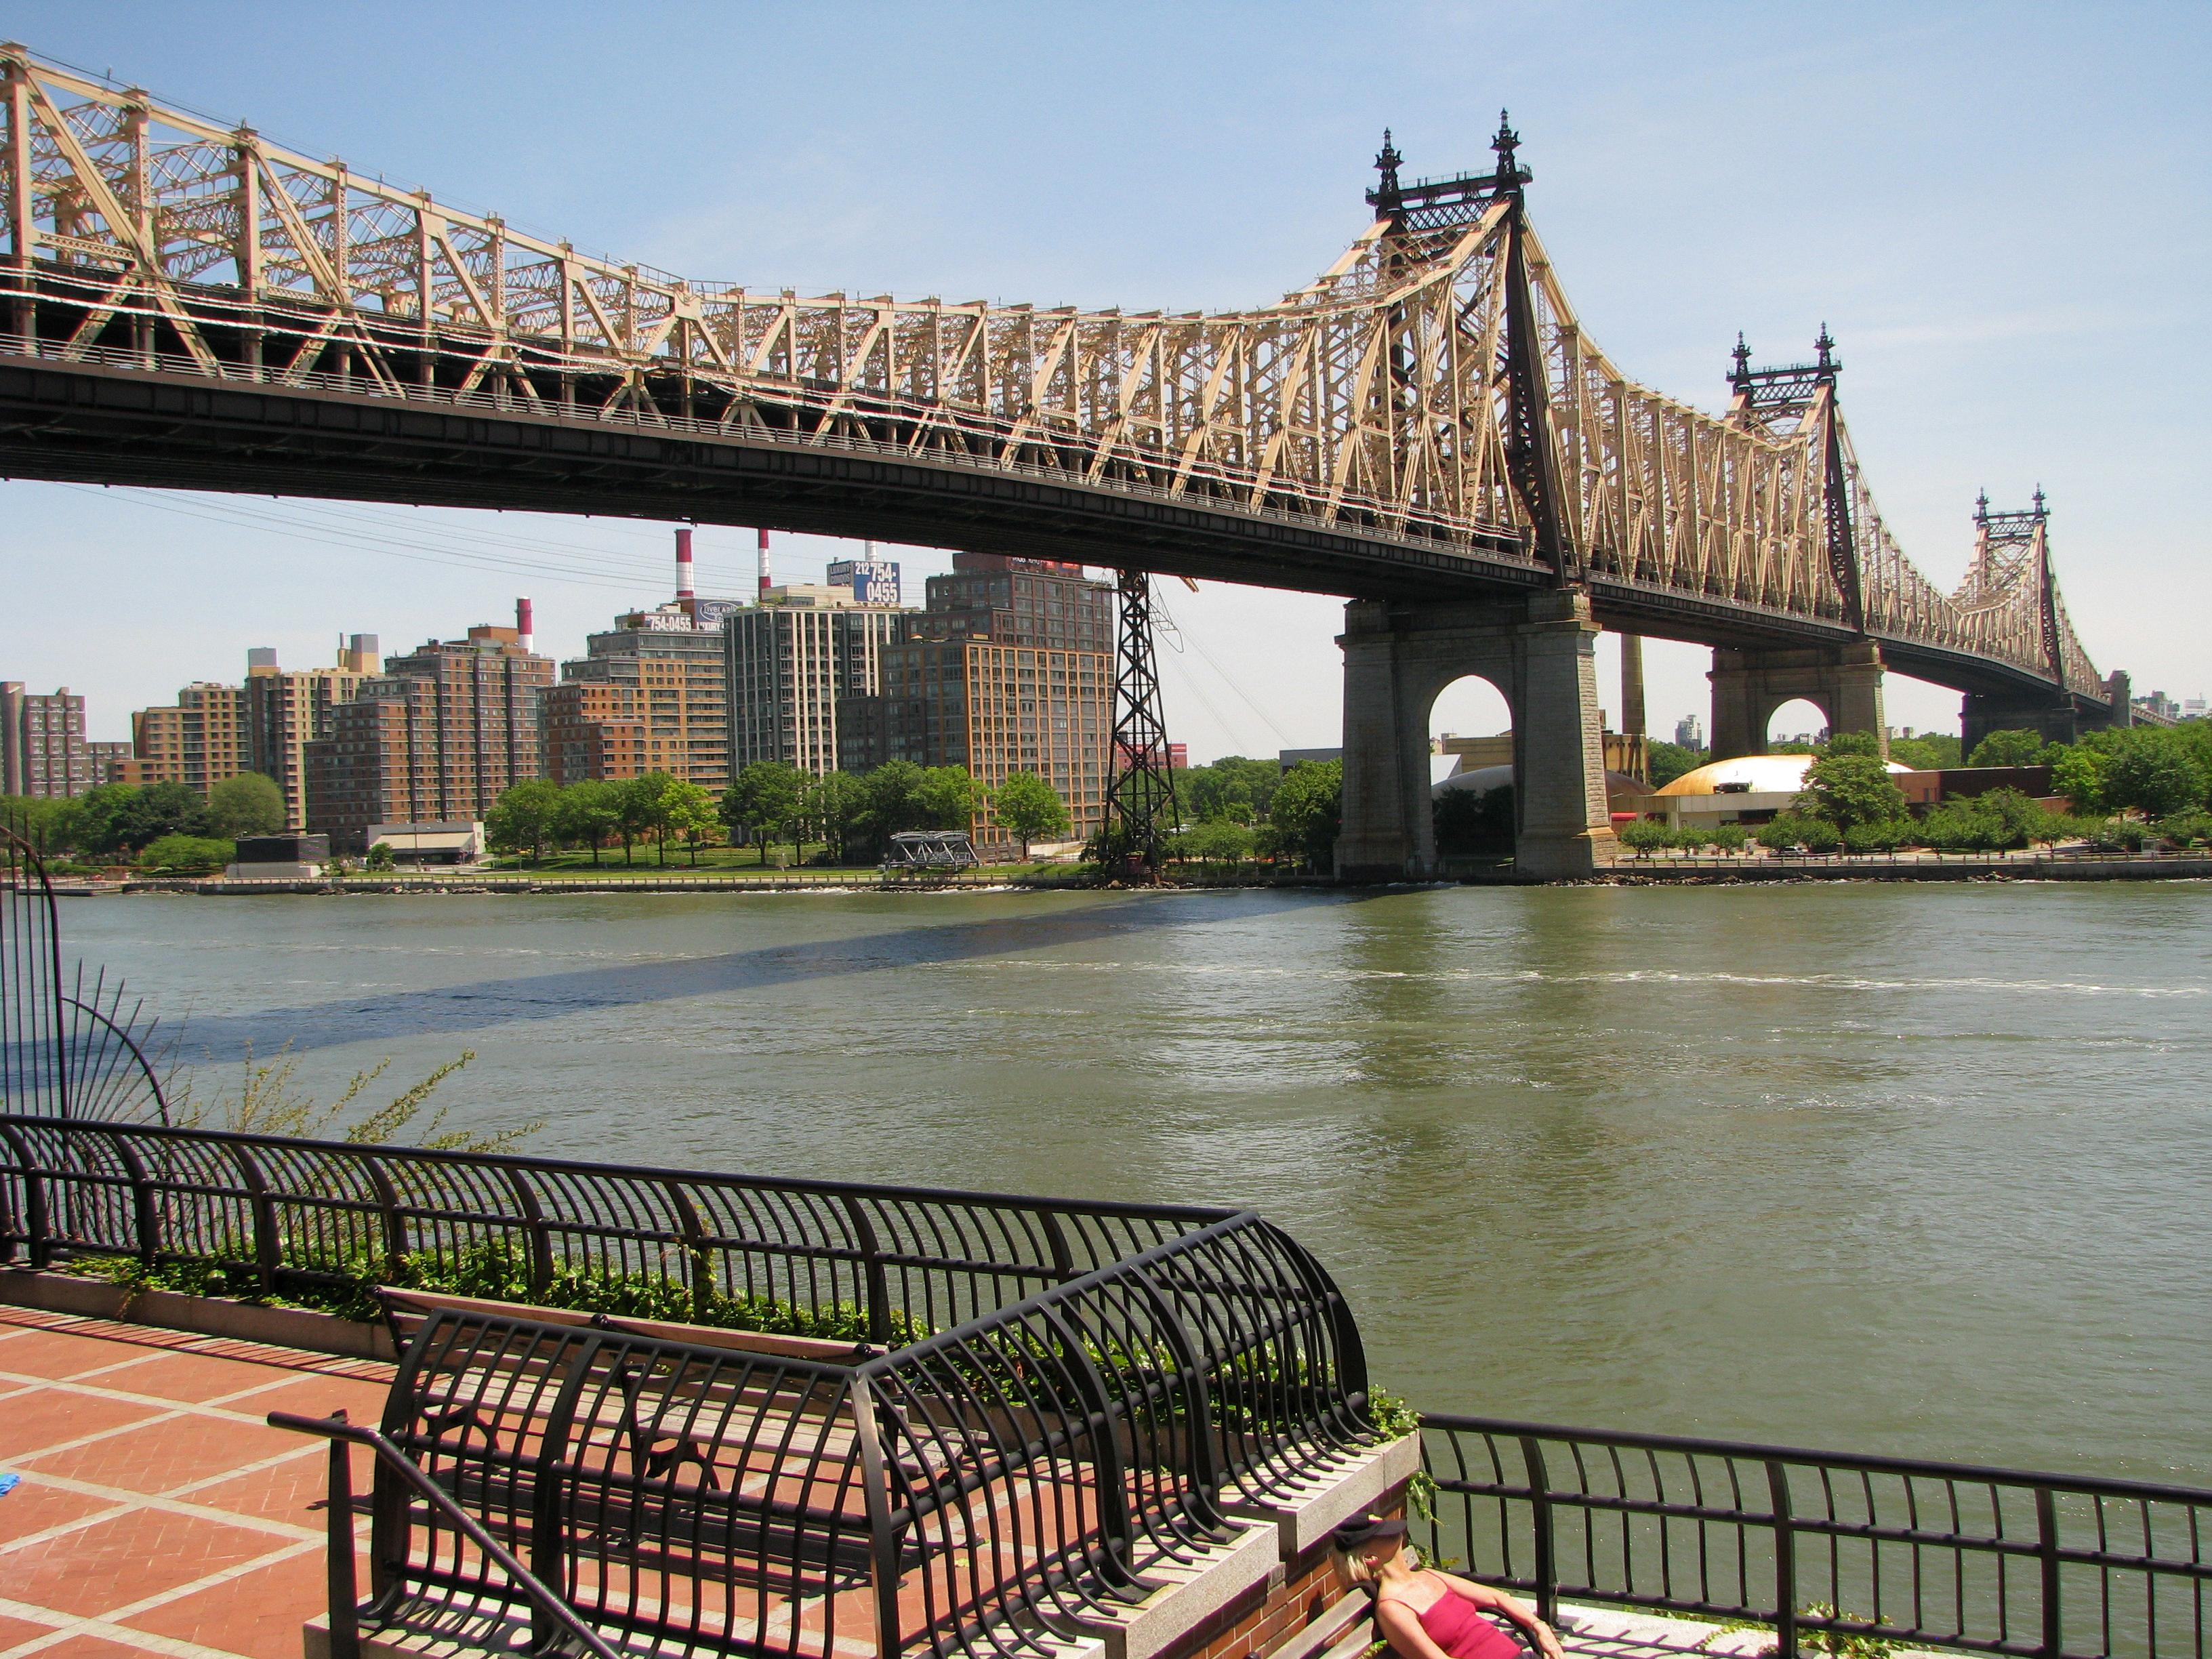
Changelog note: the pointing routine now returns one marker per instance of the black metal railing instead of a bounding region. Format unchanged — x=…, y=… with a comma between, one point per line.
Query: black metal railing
x=68, y=1047
x=972, y=1492
x=304, y=1217
x=1826, y=1546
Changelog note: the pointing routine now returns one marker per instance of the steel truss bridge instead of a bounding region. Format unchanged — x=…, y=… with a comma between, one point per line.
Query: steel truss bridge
x=187, y=306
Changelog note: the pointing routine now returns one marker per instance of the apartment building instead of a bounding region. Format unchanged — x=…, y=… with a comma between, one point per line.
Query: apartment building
x=650, y=695
x=436, y=737
x=42, y=750
x=1008, y=669
x=792, y=660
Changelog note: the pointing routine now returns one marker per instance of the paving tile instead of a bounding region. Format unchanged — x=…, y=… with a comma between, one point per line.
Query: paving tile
x=258, y=1614
x=112, y=1564
x=362, y=1398
x=14, y=1632
x=295, y=1490
x=161, y=1457
x=60, y=1353
x=84, y=1645
x=50, y=1416
x=32, y=1507
x=189, y=1378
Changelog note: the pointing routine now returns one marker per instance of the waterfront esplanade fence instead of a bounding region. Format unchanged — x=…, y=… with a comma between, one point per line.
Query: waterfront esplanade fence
x=985, y=1421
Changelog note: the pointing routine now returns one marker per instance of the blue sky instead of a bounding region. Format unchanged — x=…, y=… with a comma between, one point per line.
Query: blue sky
x=2000, y=212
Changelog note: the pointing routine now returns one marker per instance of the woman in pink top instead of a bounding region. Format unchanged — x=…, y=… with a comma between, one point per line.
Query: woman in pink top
x=1427, y=1614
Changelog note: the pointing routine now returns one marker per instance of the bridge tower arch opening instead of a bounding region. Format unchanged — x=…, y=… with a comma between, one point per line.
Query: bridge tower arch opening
x=1799, y=717
x=1540, y=653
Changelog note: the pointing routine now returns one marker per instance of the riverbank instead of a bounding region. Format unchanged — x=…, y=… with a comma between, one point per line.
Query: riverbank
x=1637, y=870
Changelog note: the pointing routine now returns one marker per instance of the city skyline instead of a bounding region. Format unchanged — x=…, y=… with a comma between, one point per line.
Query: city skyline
x=1966, y=366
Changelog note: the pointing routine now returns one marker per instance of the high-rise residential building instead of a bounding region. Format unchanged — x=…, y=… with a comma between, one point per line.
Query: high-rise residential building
x=1009, y=669
x=1689, y=733
x=42, y=743
x=791, y=660
x=105, y=760
x=199, y=741
x=286, y=709
x=651, y=695
x=437, y=737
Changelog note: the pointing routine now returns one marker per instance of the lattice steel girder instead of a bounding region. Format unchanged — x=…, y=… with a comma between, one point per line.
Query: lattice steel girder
x=1375, y=403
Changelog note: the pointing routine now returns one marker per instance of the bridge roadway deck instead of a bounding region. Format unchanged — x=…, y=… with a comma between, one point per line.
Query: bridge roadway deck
x=98, y=422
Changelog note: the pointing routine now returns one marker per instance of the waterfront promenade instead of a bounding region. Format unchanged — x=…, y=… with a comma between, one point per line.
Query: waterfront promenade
x=159, y=1514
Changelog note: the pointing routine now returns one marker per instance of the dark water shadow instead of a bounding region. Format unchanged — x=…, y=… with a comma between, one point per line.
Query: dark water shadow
x=484, y=1003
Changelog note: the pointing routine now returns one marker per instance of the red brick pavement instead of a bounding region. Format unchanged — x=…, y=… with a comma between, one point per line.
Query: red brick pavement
x=158, y=1513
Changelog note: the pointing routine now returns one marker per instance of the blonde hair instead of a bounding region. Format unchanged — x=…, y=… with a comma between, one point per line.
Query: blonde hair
x=1359, y=1565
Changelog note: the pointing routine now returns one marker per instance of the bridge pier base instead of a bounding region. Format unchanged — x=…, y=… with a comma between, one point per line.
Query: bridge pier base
x=1843, y=682
x=1540, y=654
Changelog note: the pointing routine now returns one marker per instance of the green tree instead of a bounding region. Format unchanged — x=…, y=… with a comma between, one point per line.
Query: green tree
x=524, y=816
x=1864, y=745
x=1931, y=752
x=586, y=815
x=2010, y=748
x=836, y=804
x=122, y=818
x=53, y=826
x=2156, y=772
x=1792, y=830
x=250, y=803
x=1218, y=841
x=761, y=799
x=1645, y=836
x=1306, y=811
x=1669, y=761
x=1847, y=788
x=186, y=854
x=688, y=813
x=947, y=798
x=2078, y=774
x=1025, y=803
x=1236, y=788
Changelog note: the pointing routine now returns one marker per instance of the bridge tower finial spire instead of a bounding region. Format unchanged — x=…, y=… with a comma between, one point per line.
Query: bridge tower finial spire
x=2041, y=510
x=1387, y=198
x=1826, y=345
x=1742, y=372
x=1506, y=143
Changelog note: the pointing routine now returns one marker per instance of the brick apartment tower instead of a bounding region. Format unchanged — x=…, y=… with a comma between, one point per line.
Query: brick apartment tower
x=435, y=738
x=651, y=695
x=1009, y=669
x=794, y=661
x=199, y=741
x=42, y=750
x=286, y=709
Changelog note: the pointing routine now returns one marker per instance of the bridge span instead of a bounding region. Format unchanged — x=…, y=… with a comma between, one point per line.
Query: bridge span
x=1425, y=429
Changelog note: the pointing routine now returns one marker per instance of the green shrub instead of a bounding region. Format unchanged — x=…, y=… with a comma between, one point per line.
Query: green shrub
x=1792, y=830
x=2118, y=835
x=2185, y=828
x=186, y=854
x=1645, y=836
x=1729, y=837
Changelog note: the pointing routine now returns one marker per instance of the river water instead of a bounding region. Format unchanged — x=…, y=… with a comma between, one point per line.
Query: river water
x=1920, y=1169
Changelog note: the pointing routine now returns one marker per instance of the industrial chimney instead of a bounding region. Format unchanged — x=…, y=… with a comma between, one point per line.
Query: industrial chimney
x=765, y=579
x=683, y=590
x=523, y=636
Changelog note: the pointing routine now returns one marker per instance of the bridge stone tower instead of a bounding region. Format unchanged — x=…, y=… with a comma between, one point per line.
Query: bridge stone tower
x=1843, y=682
x=1538, y=651
x=1540, y=654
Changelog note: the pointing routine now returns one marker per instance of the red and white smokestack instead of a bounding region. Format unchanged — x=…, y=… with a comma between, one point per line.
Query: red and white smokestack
x=683, y=562
x=766, y=581
x=523, y=635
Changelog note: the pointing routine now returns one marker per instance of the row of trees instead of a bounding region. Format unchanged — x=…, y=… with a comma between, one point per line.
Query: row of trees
x=1239, y=808
x=850, y=816
x=126, y=822
x=2160, y=781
